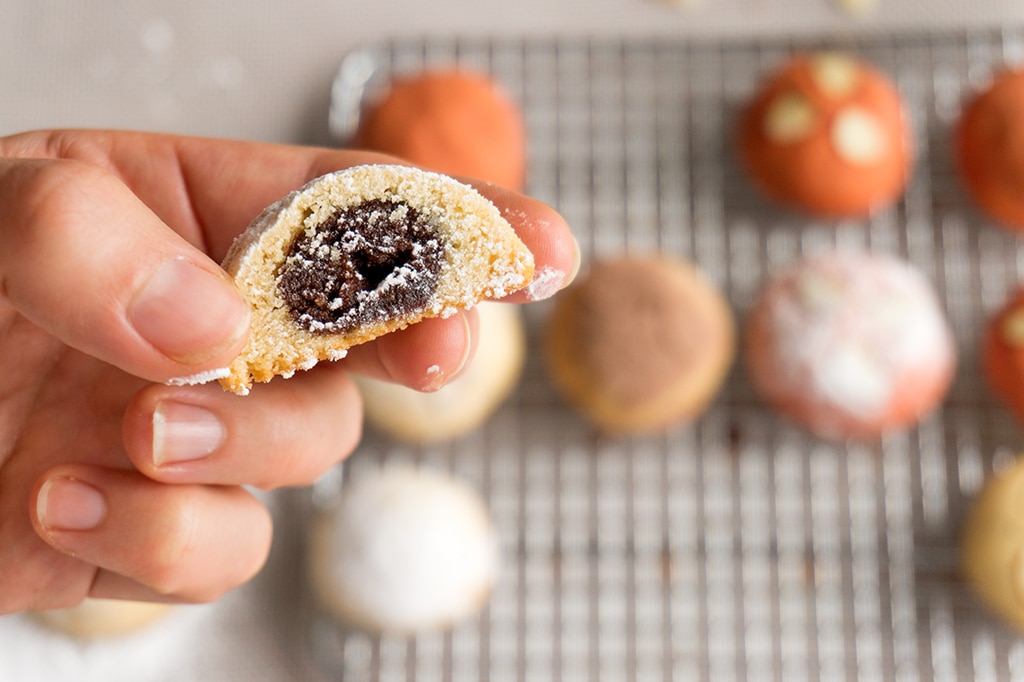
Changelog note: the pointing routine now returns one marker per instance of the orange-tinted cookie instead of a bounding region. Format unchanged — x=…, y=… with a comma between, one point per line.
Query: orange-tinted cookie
x=827, y=134
x=850, y=345
x=989, y=144
x=639, y=343
x=451, y=121
x=1003, y=354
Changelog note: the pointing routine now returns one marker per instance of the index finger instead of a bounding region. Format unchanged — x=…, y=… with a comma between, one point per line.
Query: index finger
x=209, y=190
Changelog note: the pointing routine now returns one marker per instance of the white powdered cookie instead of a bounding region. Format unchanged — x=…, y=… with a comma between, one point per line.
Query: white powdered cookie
x=405, y=550
x=360, y=253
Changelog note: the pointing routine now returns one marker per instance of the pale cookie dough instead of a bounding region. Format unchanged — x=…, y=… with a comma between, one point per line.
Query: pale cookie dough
x=360, y=253
x=850, y=344
x=102, y=617
x=406, y=550
x=465, y=402
x=992, y=545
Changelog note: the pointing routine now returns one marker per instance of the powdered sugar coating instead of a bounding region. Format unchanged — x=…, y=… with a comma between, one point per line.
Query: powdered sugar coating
x=407, y=550
x=837, y=341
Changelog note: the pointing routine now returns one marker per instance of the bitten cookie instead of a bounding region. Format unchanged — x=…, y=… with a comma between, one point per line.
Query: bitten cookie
x=989, y=141
x=406, y=550
x=360, y=253
x=992, y=545
x=850, y=345
x=102, y=617
x=639, y=343
x=827, y=134
x=462, y=404
x=1002, y=352
x=453, y=121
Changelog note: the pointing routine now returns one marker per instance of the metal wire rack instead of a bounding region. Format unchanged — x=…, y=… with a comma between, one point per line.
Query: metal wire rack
x=736, y=547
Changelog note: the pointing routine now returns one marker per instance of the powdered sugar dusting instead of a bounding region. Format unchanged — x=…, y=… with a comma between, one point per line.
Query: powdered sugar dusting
x=200, y=377
x=849, y=328
x=547, y=281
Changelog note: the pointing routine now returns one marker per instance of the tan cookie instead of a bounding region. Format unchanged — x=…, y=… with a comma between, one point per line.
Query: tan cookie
x=453, y=121
x=639, y=343
x=827, y=134
x=462, y=404
x=992, y=545
x=102, y=617
x=360, y=253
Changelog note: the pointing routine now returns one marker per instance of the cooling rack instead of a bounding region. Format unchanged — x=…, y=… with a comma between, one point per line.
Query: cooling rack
x=736, y=547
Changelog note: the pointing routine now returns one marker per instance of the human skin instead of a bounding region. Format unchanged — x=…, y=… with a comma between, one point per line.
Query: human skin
x=113, y=482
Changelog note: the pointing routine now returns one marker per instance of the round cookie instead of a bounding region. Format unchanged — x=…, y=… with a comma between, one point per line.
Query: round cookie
x=827, y=134
x=406, y=550
x=639, y=343
x=359, y=253
x=850, y=345
x=452, y=121
x=989, y=144
x=102, y=617
x=1002, y=351
x=992, y=545
x=462, y=404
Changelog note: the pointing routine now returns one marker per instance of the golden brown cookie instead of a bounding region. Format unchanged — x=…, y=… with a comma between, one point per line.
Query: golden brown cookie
x=639, y=343
x=102, y=617
x=360, y=253
x=989, y=142
x=452, y=121
x=827, y=134
x=992, y=545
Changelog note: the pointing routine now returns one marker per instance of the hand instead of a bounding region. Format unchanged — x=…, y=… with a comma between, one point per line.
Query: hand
x=112, y=485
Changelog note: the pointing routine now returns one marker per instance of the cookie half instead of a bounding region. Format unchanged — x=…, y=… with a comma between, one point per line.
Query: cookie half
x=360, y=253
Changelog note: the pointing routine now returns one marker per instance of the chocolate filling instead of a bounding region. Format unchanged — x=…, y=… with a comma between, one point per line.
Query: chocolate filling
x=370, y=262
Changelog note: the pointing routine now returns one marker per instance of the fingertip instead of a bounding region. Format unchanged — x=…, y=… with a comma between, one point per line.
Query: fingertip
x=424, y=356
x=190, y=313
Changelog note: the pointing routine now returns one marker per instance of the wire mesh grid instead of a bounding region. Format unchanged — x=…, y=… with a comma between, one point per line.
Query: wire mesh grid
x=736, y=547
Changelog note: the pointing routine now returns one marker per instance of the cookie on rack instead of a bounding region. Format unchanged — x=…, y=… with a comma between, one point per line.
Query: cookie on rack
x=850, y=344
x=454, y=121
x=405, y=550
x=989, y=142
x=95, y=618
x=1002, y=352
x=639, y=343
x=827, y=134
x=992, y=545
x=418, y=417
x=360, y=253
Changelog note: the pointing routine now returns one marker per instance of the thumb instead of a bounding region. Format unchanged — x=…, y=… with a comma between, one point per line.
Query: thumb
x=83, y=258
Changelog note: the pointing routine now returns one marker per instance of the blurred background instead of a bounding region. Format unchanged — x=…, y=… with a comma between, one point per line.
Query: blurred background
x=731, y=549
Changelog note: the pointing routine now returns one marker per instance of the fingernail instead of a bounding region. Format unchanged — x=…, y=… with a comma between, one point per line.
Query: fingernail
x=188, y=313
x=70, y=504
x=436, y=377
x=184, y=433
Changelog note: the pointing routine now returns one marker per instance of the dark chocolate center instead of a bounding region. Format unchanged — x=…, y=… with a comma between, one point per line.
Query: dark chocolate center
x=370, y=262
